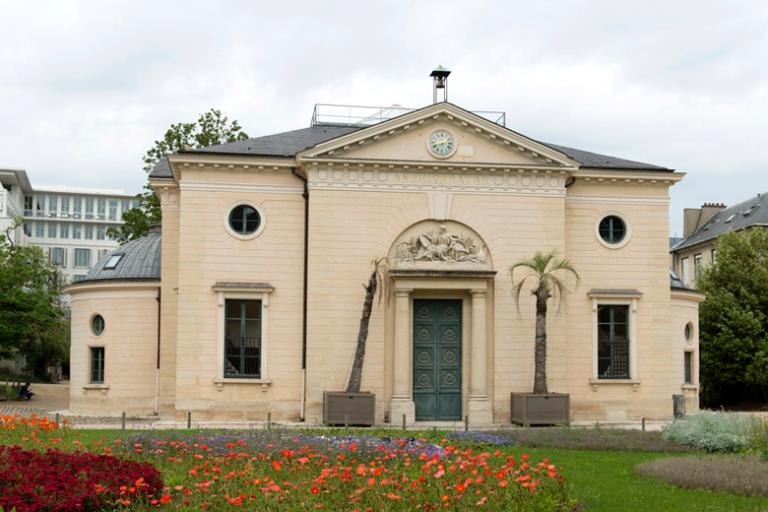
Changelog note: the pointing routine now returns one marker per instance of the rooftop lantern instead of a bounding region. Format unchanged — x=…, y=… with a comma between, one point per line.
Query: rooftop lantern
x=440, y=81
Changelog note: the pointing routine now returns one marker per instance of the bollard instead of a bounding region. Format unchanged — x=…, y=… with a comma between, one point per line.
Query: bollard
x=122, y=421
x=403, y=421
x=642, y=423
x=57, y=419
x=466, y=423
x=269, y=421
x=189, y=419
x=346, y=421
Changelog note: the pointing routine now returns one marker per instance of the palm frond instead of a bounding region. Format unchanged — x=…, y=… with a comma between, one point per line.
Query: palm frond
x=546, y=268
x=381, y=275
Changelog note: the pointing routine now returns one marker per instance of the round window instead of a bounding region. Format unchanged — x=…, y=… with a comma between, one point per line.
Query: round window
x=244, y=219
x=688, y=331
x=612, y=229
x=97, y=325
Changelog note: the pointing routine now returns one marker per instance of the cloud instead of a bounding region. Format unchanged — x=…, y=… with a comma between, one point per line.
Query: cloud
x=87, y=86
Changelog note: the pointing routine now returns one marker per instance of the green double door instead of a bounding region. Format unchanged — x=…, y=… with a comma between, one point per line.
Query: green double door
x=437, y=359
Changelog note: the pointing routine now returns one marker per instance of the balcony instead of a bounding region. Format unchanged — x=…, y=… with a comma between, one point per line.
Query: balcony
x=8, y=207
x=357, y=115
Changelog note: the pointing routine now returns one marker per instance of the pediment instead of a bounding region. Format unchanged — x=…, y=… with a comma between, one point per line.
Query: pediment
x=476, y=140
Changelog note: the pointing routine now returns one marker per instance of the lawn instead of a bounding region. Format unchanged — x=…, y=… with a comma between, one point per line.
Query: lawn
x=598, y=480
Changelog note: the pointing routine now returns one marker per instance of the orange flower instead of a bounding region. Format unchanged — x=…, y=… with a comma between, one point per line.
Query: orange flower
x=165, y=499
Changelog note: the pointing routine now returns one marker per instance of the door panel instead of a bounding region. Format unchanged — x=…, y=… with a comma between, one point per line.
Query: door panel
x=437, y=359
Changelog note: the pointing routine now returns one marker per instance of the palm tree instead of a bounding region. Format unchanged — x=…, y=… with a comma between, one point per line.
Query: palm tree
x=546, y=270
x=377, y=286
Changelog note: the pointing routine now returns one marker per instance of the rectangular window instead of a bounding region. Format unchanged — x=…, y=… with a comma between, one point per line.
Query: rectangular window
x=242, y=338
x=76, y=231
x=89, y=208
x=698, y=266
x=100, y=232
x=58, y=256
x=78, y=277
x=51, y=230
x=613, y=342
x=77, y=207
x=97, y=364
x=688, y=370
x=27, y=228
x=39, y=229
x=64, y=230
x=113, y=209
x=102, y=209
x=82, y=257
x=713, y=255
x=40, y=207
x=685, y=265
x=53, y=205
x=136, y=203
x=65, y=206
x=125, y=205
x=28, y=204
x=89, y=232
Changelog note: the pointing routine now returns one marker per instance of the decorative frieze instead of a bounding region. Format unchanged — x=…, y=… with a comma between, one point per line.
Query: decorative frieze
x=434, y=178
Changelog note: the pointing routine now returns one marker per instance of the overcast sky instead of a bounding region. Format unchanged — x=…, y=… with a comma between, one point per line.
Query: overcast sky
x=85, y=87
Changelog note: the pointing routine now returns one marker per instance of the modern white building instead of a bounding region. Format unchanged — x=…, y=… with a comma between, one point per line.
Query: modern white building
x=69, y=224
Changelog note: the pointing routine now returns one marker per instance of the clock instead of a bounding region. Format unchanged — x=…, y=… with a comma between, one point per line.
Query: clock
x=441, y=143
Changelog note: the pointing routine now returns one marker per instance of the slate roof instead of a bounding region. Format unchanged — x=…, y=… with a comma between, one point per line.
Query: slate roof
x=140, y=261
x=287, y=144
x=752, y=212
x=675, y=282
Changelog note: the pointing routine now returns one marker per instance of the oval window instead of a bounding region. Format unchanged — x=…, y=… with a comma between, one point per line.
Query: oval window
x=612, y=229
x=97, y=325
x=244, y=219
x=688, y=331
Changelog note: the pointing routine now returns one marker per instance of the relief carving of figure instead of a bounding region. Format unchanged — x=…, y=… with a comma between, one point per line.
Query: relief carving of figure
x=440, y=245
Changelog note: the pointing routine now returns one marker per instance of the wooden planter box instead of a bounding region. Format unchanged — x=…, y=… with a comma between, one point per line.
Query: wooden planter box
x=349, y=408
x=541, y=409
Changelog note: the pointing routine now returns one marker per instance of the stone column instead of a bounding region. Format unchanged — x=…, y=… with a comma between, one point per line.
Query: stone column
x=479, y=407
x=402, y=395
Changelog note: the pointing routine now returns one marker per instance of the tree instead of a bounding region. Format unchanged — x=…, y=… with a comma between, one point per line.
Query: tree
x=31, y=313
x=211, y=128
x=545, y=270
x=377, y=285
x=733, y=320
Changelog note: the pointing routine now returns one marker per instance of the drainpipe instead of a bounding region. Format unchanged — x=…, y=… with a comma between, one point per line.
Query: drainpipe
x=157, y=365
x=303, y=397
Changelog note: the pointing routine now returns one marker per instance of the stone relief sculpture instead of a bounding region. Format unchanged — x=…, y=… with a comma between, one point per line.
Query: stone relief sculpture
x=440, y=245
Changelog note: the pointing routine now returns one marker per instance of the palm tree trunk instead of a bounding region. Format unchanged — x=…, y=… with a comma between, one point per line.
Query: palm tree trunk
x=540, y=365
x=356, y=377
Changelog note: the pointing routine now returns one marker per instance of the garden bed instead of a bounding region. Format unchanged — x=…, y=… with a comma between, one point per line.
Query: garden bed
x=595, y=439
x=740, y=474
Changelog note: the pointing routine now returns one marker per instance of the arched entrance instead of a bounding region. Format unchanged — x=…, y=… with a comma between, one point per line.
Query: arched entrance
x=443, y=282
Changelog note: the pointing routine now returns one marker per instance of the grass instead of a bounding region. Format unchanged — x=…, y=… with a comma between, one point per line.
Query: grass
x=601, y=480
x=607, y=481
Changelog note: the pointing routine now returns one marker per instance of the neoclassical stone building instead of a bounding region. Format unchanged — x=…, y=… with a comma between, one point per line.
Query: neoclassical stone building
x=249, y=300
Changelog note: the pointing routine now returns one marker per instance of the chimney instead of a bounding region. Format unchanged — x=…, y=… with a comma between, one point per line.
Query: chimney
x=695, y=218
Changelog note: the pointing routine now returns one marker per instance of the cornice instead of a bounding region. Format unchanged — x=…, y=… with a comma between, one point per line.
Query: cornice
x=628, y=176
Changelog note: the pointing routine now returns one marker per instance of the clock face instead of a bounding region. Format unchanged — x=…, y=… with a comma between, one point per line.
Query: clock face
x=441, y=143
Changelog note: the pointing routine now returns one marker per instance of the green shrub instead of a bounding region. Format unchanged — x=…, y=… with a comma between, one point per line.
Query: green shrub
x=759, y=436
x=711, y=431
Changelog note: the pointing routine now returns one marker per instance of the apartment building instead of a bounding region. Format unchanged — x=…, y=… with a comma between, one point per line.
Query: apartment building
x=69, y=224
x=702, y=227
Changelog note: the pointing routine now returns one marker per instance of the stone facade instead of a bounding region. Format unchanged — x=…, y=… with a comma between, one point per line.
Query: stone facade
x=451, y=227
